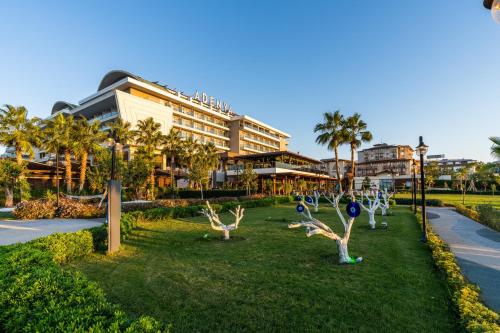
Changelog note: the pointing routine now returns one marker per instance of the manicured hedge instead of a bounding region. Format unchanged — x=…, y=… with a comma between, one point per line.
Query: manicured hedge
x=43, y=208
x=209, y=194
x=457, y=192
x=428, y=202
x=484, y=214
x=474, y=316
x=37, y=295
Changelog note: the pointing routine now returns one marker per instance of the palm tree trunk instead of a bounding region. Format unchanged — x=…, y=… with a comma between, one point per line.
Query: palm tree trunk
x=338, y=168
x=351, y=184
x=19, y=156
x=9, y=197
x=67, y=159
x=83, y=169
x=152, y=183
x=172, y=178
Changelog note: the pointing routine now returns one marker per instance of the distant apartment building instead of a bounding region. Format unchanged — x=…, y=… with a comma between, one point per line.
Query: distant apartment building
x=385, y=165
x=448, y=166
x=329, y=165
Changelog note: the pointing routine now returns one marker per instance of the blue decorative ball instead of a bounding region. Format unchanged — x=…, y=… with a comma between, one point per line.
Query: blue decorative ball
x=298, y=198
x=309, y=199
x=300, y=208
x=353, y=209
x=380, y=195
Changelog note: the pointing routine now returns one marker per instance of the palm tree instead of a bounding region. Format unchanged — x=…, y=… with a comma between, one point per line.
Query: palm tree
x=495, y=148
x=172, y=144
x=88, y=139
x=333, y=135
x=356, y=133
x=52, y=140
x=148, y=137
x=18, y=131
x=210, y=157
x=120, y=131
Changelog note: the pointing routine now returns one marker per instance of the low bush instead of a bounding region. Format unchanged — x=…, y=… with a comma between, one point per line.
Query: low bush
x=46, y=209
x=474, y=315
x=210, y=194
x=37, y=295
x=35, y=209
x=484, y=214
x=428, y=202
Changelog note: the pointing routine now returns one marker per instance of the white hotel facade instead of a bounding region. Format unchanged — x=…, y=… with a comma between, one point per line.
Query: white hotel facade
x=130, y=97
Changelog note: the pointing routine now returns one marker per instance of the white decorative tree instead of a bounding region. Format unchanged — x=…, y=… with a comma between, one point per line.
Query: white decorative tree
x=313, y=201
x=216, y=224
x=314, y=226
x=385, y=205
x=372, y=207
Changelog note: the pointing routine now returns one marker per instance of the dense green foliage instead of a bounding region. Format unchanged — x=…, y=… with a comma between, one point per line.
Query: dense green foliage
x=428, y=202
x=485, y=214
x=44, y=208
x=37, y=295
x=454, y=199
x=474, y=315
x=271, y=278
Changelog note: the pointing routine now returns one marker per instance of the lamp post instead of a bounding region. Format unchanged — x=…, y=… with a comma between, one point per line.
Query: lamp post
x=414, y=187
x=422, y=150
x=114, y=202
x=494, y=7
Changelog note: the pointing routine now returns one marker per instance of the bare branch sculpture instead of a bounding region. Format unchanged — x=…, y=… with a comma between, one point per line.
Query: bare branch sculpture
x=215, y=222
x=316, y=227
x=385, y=205
x=314, y=202
x=372, y=207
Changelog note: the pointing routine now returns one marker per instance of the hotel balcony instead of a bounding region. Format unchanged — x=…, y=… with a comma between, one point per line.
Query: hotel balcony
x=275, y=167
x=190, y=114
x=258, y=131
x=261, y=142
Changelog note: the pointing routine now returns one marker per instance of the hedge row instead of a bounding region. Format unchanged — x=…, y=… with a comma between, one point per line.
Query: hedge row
x=37, y=295
x=47, y=209
x=484, y=214
x=428, y=202
x=207, y=194
x=474, y=316
x=458, y=192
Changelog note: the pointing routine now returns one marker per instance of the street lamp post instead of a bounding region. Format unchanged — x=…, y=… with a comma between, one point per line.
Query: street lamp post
x=422, y=150
x=414, y=187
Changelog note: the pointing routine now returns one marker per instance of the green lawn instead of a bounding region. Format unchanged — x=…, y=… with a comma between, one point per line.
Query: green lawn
x=470, y=199
x=274, y=279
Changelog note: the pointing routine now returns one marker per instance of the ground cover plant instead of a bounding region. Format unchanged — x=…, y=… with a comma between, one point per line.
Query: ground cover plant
x=274, y=278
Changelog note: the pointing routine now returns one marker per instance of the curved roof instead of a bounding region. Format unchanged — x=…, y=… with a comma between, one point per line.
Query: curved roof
x=113, y=77
x=60, y=105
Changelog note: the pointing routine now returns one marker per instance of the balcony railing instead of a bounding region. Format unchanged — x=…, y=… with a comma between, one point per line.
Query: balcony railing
x=281, y=165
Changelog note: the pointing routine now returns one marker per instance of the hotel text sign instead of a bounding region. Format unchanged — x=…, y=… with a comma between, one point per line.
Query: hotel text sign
x=213, y=102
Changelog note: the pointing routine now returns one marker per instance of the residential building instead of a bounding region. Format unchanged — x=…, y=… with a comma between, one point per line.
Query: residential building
x=385, y=165
x=329, y=165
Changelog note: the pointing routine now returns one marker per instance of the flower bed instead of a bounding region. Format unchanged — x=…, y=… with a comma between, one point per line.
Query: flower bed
x=484, y=214
x=473, y=314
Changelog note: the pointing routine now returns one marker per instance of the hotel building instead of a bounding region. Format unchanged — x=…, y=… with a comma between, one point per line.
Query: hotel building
x=130, y=97
x=121, y=94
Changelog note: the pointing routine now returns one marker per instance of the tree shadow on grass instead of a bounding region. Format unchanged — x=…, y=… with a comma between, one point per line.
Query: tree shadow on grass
x=220, y=239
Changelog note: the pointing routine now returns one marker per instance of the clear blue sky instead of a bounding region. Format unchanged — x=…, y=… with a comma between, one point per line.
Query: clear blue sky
x=410, y=68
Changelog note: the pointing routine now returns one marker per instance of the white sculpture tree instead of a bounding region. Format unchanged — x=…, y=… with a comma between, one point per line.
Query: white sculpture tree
x=385, y=205
x=372, y=207
x=314, y=227
x=314, y=201
x=216, y=224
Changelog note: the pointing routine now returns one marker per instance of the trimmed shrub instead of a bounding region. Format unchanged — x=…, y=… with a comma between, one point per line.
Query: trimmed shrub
x=484, y=214
x=66, y=247
x=35, y=209
x=37, y=295
x=46, y=209
x=474, y=315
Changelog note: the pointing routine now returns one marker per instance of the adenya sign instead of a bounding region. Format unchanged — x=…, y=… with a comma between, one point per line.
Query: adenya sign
x=212, y=102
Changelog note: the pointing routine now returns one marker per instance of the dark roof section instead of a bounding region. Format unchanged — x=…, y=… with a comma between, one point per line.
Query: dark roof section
x=333, y=160
x=115, y=76
x=487, y=4
x=385, y=145
x=279, y=153
x=60, y=105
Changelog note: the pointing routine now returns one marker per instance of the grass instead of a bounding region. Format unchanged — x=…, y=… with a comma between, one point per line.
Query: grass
x=6, y=216
x=274, y=279
x=454, y=199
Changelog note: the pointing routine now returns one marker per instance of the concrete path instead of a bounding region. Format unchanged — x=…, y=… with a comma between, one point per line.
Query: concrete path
x=476, y=247
x=15, y=231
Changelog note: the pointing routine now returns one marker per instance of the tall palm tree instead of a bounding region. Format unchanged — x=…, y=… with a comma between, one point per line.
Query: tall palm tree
x=495, y=148
x=52, y=141
x=18, y=131
x=88, y=140
x=148, y=137
x=356, y=133
x=172, y=145
x=120, y=131
x=210, y=157
x=332, y=134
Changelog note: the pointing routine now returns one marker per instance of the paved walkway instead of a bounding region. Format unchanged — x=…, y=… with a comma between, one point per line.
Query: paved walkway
x=476, y=247
x=15, y=231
